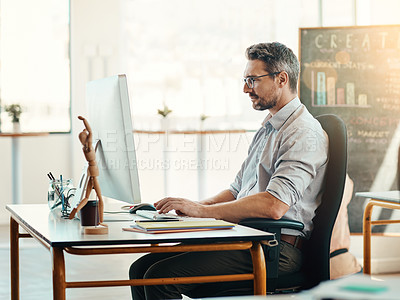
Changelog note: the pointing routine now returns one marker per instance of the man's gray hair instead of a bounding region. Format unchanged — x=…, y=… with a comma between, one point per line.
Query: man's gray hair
x=277, y=57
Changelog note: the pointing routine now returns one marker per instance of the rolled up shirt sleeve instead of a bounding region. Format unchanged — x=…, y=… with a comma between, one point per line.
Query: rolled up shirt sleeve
x=301, y=154
x=235, y=186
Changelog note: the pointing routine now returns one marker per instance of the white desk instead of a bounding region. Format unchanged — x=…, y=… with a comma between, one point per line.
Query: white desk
x=60, y=235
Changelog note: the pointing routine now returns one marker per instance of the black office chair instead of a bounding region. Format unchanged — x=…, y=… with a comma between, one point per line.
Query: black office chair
x=316, y=251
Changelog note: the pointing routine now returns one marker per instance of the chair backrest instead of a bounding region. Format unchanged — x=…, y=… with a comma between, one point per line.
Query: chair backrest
x=318, y=248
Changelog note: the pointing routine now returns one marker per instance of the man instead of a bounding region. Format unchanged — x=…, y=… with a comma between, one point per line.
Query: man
x=281, y=177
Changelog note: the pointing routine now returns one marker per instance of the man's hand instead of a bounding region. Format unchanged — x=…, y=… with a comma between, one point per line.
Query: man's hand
x=182, y=206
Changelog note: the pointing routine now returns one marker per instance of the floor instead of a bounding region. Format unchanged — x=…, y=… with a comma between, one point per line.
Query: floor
x=35, y=272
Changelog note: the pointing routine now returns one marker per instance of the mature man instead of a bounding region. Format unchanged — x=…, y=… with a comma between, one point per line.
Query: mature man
x=281, y=177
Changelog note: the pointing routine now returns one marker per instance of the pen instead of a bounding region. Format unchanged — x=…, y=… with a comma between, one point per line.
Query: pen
x=62, y=192
x=51, y=177
x=56, y=204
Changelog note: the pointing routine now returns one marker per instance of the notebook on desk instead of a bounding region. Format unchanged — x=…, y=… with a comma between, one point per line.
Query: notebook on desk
x=155, y=222
x=154, y=215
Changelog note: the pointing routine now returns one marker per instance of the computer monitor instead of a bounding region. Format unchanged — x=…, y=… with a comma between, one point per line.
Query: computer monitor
x=109, y=116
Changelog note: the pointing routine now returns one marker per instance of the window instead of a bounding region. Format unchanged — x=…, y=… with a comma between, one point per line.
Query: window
x=34, y=64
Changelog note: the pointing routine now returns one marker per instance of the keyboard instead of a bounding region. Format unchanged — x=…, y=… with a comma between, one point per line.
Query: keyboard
x=154, y=215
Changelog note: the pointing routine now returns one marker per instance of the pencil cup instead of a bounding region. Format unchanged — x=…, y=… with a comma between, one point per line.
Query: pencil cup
x=59, y=193
x=90, y=214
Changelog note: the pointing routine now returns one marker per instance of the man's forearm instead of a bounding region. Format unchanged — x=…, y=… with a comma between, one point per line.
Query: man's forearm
x=224, y=196
x=260, y=205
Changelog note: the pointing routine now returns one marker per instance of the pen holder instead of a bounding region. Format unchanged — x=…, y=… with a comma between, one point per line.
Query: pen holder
x=59, y=193
x=90, y=214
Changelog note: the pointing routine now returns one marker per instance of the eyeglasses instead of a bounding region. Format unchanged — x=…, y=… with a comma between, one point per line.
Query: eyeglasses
x=249, y=81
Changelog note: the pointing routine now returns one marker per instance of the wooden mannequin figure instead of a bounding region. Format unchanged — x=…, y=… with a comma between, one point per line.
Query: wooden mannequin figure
x=86, y=138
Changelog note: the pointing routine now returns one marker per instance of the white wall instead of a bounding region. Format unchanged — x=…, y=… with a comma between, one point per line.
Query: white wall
x=39, y=155
x=94, y=54
x=384, y=253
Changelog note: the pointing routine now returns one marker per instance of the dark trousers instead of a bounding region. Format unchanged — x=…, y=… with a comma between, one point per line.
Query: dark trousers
x=159, y=265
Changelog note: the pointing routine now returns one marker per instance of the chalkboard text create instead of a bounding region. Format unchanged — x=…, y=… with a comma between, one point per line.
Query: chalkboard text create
x=365, y=41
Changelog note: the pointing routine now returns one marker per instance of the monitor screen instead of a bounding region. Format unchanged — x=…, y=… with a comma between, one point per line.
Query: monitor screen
x=109, y=116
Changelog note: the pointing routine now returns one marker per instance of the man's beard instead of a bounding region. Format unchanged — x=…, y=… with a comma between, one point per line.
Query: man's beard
x=264, y=105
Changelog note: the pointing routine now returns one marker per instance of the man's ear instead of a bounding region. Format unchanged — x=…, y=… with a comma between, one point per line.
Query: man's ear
x=283, y=78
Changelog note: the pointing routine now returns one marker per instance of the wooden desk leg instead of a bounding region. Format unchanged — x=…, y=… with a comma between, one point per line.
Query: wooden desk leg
x=367, y=237
x=260, y=274
x=14, y=258
x=59, y=285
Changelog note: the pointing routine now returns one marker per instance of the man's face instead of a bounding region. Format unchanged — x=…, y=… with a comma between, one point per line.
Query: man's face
x=265, y=92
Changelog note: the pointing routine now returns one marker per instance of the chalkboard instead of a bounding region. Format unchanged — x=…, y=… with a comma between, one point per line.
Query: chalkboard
x=354, y=72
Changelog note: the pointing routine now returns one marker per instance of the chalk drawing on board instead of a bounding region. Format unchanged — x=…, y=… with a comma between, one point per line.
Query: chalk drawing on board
x=312, y=88
x=330, y=90
x=362, y=99
x=321, y=89
x=340, y=96
x=350, y=97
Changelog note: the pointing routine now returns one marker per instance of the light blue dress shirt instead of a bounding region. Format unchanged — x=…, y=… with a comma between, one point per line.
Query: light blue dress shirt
x=287, y=158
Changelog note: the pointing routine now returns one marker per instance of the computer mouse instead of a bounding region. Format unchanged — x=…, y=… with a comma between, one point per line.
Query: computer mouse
x=142, y=206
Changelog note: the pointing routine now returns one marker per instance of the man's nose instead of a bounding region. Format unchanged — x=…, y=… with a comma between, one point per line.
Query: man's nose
x=246, y=89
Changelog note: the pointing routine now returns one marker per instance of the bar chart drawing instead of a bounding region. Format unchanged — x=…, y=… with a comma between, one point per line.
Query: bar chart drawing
x=325, y=92
x=350, y=98
x=321, y=91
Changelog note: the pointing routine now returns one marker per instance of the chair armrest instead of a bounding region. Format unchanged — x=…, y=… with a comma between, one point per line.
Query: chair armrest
x=271, y=224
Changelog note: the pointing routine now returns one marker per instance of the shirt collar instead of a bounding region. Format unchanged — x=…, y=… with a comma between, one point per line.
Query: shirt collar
x=282, y=115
